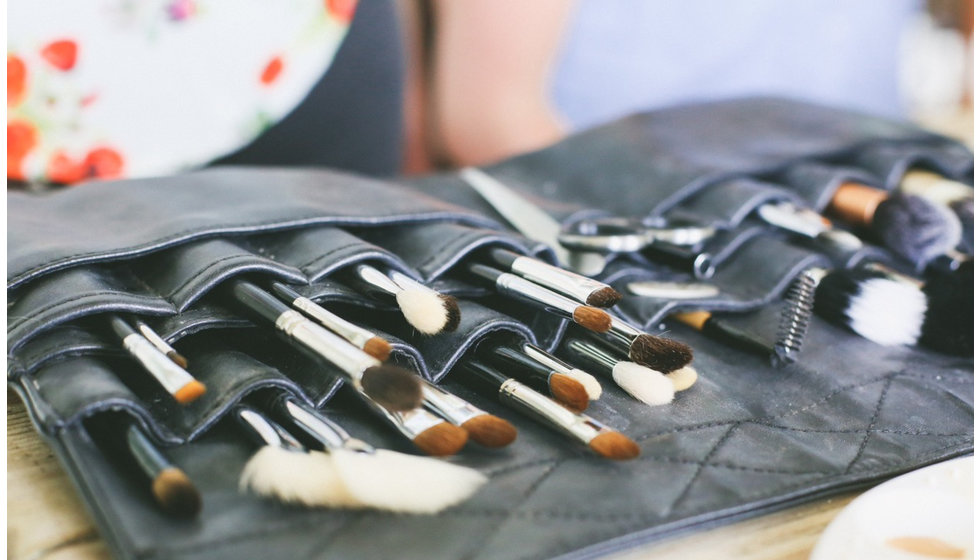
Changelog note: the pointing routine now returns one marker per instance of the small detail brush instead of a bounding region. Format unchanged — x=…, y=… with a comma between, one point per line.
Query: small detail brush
x=390, y=386
x=587, y=380
x=602, y=440
x=794, y=319
x=656, y=352
x=381, y=478
x=433, y=435
x=562, y=388
x=161, y=344
x=510, y=285
x=364, y=339
x=171, y=487
x=483, y=428
x=427, y=310
x=174, y=379
x=646, y=385
x=575, y=286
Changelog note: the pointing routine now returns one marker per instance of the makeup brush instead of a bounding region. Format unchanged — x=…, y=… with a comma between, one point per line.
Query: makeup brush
x=656, y=352
x=940, y=190
x=642, y=383
x=562, y=388
x=173, y=378
x=483, y=428
x=364, y=339
x=518, y=288
x=719, y=329
x=390, y=386
x=909, y=225
x=433, y=435
x=161, y=344
x=381, y=478
x=591, y=384
x=794, y=319
x=425, y=309
x=683, y=379
x=602, y=440
x=575, y=286
x=172, y=489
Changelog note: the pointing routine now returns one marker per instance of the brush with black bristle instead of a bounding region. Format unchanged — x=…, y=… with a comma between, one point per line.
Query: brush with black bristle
x=911, y=226
x=656, y=352
x=872, y=304
x=484, y=428
x=794, y=319
x=591, y=384
x=575, y=286
x=562, y=388
x=364, y=339
x=381, y=478
x=171, y=376
x=390, y=386
x=602, y=440
x=642, y=383
x=425, y=309
x=428, y=432
x=172, y=489
x=948, y=324
x=515, y=287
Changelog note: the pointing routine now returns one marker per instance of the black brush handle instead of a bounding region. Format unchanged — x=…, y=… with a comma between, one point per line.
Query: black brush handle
x=151, y=460
x=258, y=300
x=523, y=368
x=482, y=377
x=723, y=331
x=486, y=273
x=503, y=257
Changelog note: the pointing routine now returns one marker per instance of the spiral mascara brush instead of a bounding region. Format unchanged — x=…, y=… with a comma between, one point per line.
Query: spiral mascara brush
x=173, y=378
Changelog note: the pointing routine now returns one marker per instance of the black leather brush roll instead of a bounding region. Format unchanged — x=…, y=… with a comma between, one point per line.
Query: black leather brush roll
x=746, y=438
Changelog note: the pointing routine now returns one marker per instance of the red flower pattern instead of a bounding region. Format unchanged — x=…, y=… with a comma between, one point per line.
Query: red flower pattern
x=16, y=80
x=21, y=139
x=61, y=54
x=271, y=71
x=343, y=10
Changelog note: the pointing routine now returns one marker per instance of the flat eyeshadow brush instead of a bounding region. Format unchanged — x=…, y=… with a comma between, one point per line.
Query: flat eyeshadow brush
x=364, y=339
x=431, y=434
x=483, y=428
x=172, y=489
x=562, y=388
x=656, y=352
x=642, y=383
x=425, y=309
x=602, y=440
x=575, y=286
x=173, y=378
x=513, y=286
x=389, y=386
x=587, y=380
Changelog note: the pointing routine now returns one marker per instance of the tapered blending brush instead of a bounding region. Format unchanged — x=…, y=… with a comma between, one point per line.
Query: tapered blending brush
x=591, y=384
x=644, y=384
x=391, y=387
x=364, y=339
x=161, y=344
x=381, y=478
x=575, y=286
x=656, y=352
x=431, y=434
x=483, y=428
x=602, y=440
x=513, y=286
x=909, y=225
x=173, y=378
x=427, y=310
x=562, y=388
x=172, y=489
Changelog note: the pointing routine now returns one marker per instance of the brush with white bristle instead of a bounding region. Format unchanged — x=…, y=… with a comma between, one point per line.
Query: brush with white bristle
x=430, y=433
x=591, y=384
x=381, y=478
x=425, y=309
x=683, y=379
x=483, y=428
x=646, y=385
x=656, y=352
x=562, y=388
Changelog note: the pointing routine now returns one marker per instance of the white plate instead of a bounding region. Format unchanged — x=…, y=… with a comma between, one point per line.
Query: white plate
x=924, y=514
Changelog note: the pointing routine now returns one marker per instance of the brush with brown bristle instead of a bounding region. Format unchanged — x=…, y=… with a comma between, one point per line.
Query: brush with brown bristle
x=390, y=386
x=602, y=440
x=575, y=286
x=656, y=352
x=364, y=339
x=563, y=388
x=587, y=380
x=425, y=309
x=513, y=286
x=483, y=428
x=431, y=434
x=642, y=383
x=161, y=344
x=172, y=377
x=172, y=489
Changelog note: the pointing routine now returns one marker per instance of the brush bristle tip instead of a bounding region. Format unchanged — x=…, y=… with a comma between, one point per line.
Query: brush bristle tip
x=615, y=446
x=592, y=318
x=378, y=348
x=392, y=387
x=490, y=431
x=175, y=492
x=441, y=440
x=604, y=297
x=568, y=391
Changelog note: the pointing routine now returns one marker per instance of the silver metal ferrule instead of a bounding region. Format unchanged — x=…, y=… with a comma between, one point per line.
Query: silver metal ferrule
x=546, y=359
x=788, y=216
x=330, y=434
x=623, y=331
x=349, y=359
x=593, y=355
x=410, y=423
x=347, y=330
x=529, y=291
x=171, y=376
x=575, y=425
x=377, y=279
x=452, y=408
x=573, y=285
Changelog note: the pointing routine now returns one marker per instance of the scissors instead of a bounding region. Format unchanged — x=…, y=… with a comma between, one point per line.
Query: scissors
x=626, y=235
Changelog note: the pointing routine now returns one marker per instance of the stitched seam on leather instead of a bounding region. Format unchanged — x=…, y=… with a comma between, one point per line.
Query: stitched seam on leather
x=871, y=424
x=732, y=466
x=323, y=256
x=201, y=272
x=451, y=247
x=690, y=483
x=25, y=318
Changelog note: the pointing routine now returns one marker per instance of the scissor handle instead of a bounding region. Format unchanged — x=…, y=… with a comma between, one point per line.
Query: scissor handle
x=625, y=235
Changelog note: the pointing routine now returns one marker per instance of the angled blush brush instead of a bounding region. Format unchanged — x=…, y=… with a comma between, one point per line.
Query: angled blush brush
x=172, y=377
x=602, y=440
x=515, y=287
x=562, y=388
x=587, y=380
x=364, y=339
x=390, y=386
x=642, y=383
x=575, y=286
x=425, y=309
